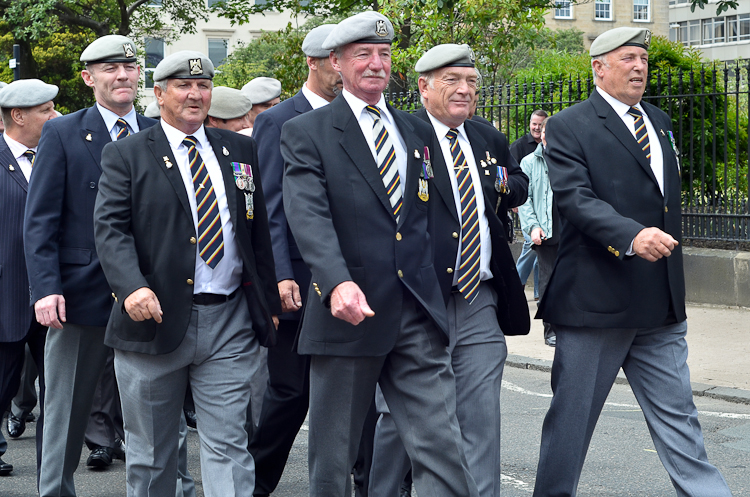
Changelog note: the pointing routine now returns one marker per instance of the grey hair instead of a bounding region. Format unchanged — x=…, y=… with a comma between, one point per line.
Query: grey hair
x=601, y=58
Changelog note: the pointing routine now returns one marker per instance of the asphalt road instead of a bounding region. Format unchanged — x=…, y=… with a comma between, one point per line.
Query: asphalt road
x=621, y=461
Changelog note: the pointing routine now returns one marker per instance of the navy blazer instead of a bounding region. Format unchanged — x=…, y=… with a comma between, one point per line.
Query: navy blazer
x=344, y=225
x=512, y=307
x=59, y=225
x=146, y=237
x=15, y=310
x=606, y=192
x=267, y=134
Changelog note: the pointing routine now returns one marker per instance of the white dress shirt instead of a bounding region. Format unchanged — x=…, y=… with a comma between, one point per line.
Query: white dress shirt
x=18, y=149
x=227, y=275
x=110, y=121
x=316, y=101
x=485, y=243
x=366, y=121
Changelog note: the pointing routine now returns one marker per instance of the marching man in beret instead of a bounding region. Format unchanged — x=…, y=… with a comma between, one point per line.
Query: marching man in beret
x=263, y=93
x=356, y=194
x=617, y=293
x=181, y=229
x=26, y=105
x=68, y=289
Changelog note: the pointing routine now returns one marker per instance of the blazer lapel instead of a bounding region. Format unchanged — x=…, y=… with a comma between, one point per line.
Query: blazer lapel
x=227, y=171
x=159, y=145
x=614, y=124
x=442, y=180
x=354, y=144
x=95, y=134
x=479, y=148
x=669, y=158
x=414, y=158
x=301, y=105
x=7, y=160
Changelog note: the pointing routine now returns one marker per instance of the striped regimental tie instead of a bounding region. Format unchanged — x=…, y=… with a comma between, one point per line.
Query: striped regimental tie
x=386, y=161
x=468, y=269
x=123, y=130
x=641, y=135
x=30, y=155
x=210, y=238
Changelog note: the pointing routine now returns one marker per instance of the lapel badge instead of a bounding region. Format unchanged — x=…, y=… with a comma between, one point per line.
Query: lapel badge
x=11, y=168
x=662, y=132
x=416, y=154
x=490, y=159
x=486, y=172
x=224, y=151
x=129, y=51
x=482, y=163
x=88, y=137
x=167, y=162
x=196, y=67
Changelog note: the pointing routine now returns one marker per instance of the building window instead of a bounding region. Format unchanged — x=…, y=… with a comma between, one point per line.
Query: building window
x=154, y=55
x=640, y=10
x=217, y=50
x=563, y=10
x=744, y=26
x=603, y=10
x=713, y=30
x=694, y=32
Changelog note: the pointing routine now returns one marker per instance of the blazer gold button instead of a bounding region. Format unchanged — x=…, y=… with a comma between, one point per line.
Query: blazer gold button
x=449, y=270
x=193, y=241
x=666, y=209
x=398, y=236
x=400, y=274
x=455, y=235
x=617, y=253
x=189, y=281
x=114, y=296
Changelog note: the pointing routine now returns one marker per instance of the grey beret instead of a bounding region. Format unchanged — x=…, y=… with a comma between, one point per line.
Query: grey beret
x=152, y=110
x=313, y=44
x=620, y=37
x=447, y=55
x=27, y=93
x=262, y=89
x=110, y=48
x=185, y=64
x=228, y=103
x=365, y=27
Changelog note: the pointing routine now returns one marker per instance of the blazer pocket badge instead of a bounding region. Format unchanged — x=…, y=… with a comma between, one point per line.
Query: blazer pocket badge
x=243, y=178
x=424, y=175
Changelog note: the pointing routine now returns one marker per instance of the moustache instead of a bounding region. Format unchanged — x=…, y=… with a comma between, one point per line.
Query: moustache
x=374, y=74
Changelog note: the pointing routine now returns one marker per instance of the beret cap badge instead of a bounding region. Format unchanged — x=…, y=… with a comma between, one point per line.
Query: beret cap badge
x=380, y=28
x=129, y=50
x=647, y=38
x=196, y=67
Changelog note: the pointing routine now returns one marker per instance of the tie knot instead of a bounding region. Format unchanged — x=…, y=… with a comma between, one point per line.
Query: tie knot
x=635, y=112
x=30, y=154
x=452, y=135
x=374, y=111
x=190, y=141
x=122, y=124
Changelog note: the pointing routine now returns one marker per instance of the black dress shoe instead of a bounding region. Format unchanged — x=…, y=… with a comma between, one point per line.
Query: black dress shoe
x=16, y=426
x=30, y=417
x=191, y=419
x=118, y=451
x=551, y=341
x=5, y=468
x=100, y=458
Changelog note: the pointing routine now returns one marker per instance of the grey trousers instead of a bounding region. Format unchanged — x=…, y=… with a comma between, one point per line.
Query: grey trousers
x=73, y=361
x=655, y=362
x=478, y=353
x=217, y=356
x=418, y=384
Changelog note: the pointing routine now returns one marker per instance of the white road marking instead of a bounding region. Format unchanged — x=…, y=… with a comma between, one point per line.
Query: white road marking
x=727, y=415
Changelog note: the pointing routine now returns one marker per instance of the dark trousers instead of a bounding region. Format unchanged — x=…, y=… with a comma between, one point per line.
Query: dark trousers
x=284, y=409
x=546, y=255
x=11, y=364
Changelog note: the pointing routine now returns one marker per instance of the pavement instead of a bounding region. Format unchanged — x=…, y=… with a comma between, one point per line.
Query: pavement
x=718, y=350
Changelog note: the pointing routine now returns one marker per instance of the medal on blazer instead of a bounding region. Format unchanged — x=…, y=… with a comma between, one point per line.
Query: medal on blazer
x=501, y=181
x=425, y=174
x=243, y=178
x=676, y=152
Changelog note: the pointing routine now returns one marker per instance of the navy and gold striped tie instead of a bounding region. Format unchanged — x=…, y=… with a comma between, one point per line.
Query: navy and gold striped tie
x=386, y=161
x=123, y=130
x=30, y=155
x=210, y=237
x=468, y=269
x=641, y=134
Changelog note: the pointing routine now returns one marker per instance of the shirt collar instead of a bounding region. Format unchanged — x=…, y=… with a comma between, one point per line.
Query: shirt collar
x=619, y=107
x=16, y=148
x=175, y=136
x=441, y=129
x=358, y=106
x=110, y=118
x=315, y=100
